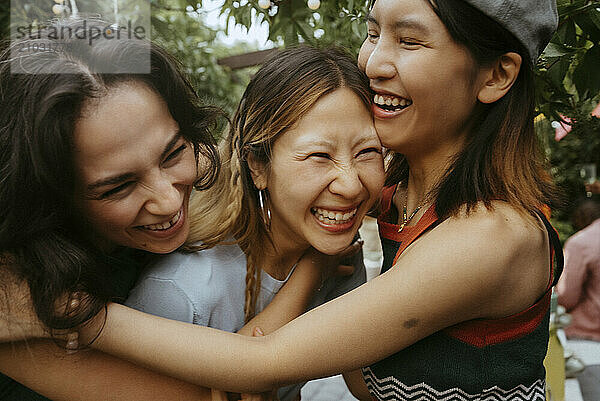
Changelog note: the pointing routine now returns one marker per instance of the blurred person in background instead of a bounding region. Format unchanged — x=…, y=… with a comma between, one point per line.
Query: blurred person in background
x=579, y=286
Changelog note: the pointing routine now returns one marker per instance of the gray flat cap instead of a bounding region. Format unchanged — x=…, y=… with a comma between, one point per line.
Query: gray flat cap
x=532, y=22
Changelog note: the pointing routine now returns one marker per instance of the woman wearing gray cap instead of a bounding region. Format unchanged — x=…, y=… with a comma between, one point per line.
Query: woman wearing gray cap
x=461, y=308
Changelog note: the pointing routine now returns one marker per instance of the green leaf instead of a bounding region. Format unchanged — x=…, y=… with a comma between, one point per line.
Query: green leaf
x=305, y=30
x=586, y=76
x=567, y=33
x=290, y=35
x=558, y=71
x=556, y=50
x=588, y=25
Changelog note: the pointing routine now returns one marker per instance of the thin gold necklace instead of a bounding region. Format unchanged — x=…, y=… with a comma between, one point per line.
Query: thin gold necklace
x=405, y=219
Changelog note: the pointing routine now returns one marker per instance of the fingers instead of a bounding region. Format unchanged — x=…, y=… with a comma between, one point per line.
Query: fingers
x=72, y=344
x=74, y=304
x=257, y=332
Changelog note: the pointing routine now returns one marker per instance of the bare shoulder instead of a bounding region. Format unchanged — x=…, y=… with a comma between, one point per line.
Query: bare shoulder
x=511, y=247
x=502, y=223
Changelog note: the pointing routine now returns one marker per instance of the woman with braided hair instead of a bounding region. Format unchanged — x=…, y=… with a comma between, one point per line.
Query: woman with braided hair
x=293, y=178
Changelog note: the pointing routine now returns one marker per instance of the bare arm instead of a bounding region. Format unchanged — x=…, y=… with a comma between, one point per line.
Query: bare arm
x=46, y=369
x=18, y=320
x=89, y=375
x=357, y=386
x=571, y=283
x=295, y=296
x=487, y=265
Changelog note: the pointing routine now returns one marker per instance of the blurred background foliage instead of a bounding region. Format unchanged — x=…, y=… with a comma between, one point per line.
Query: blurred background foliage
x=567, y=74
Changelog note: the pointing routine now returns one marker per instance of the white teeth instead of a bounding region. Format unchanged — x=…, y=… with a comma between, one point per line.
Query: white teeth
x=164, y=226
x=332, y=217
x=395, y=102
x=388, y=102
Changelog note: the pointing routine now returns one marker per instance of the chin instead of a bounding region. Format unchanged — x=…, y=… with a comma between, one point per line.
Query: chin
x=163, y=250
x=161, y=247
x=334, y=248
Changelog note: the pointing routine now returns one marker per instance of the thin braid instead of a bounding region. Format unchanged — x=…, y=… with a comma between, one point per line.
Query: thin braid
x=253, y=279
x=253, y=273
x=250, y=304
x=218, y=213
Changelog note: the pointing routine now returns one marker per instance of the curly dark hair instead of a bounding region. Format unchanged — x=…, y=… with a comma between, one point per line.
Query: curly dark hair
x=40, y=100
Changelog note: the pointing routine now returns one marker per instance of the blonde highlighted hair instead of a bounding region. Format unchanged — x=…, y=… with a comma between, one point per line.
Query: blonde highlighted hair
x=280, y=94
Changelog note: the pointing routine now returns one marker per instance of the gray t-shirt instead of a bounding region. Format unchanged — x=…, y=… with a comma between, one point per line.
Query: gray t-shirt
x=208, y=288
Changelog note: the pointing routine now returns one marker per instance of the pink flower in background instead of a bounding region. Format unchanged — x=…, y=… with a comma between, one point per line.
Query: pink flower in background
x=596, y=111
x=561, y=129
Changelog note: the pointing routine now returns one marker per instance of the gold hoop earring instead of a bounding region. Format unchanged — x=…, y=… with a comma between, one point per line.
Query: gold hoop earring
x=265, y=211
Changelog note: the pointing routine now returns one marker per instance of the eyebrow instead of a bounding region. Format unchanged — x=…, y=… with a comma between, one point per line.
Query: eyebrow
x=326, y=144
x=372, y=19
x=405, y=23
x=312, y=143
x=104, y=182
x=109, y=181
x=363, y=140
x=171, y=144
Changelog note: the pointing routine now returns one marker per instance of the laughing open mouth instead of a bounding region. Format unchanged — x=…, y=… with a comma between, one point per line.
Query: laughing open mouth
x=166, y=225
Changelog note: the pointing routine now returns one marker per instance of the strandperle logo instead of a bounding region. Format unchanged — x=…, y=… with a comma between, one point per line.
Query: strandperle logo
x=57, y=35
x=75, y=27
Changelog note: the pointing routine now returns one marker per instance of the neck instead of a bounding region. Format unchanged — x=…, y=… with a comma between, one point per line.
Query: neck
x=280, y=257
x=425, y=173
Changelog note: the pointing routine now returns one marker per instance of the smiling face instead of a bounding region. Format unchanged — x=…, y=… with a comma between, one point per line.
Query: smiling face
x=136, y=170
x=426, y=84
x=324, y=175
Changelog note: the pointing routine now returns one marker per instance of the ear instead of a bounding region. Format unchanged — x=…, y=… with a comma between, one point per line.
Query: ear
x=499, y=77
x=258, y=171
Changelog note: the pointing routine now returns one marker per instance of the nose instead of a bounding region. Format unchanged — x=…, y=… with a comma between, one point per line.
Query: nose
x=379, y=64
x=164, y=198
x=346, y=183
